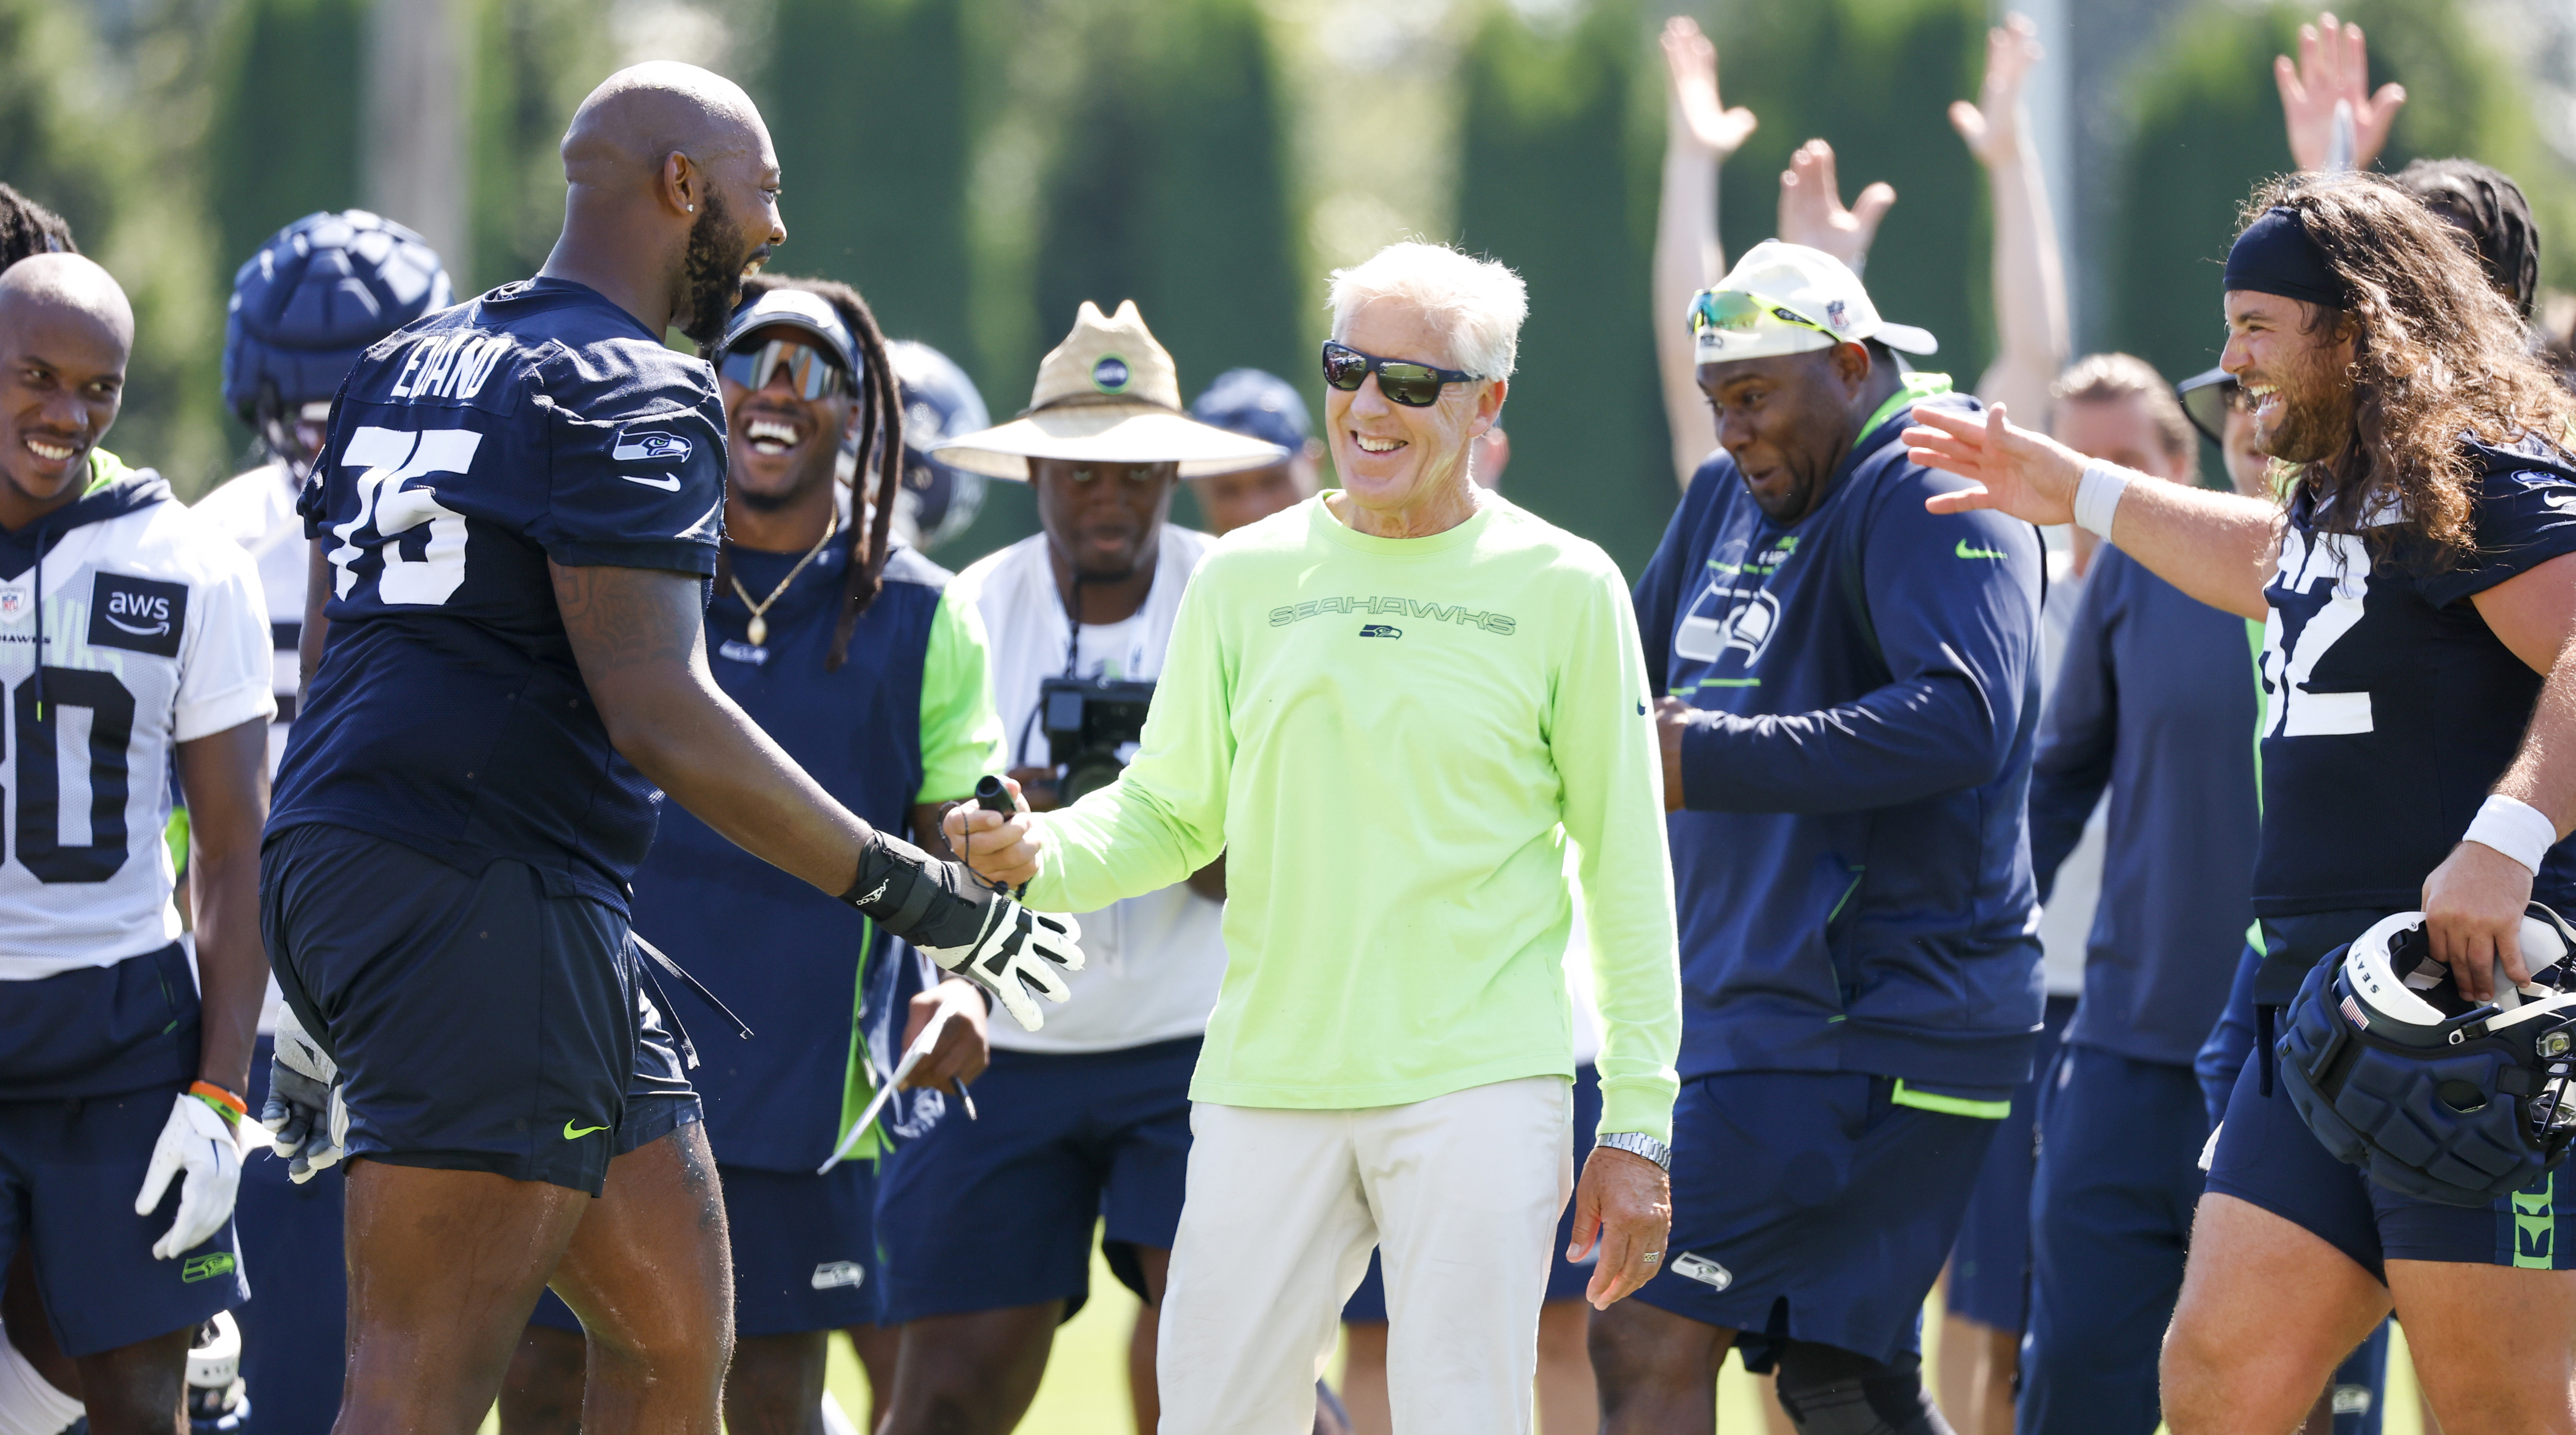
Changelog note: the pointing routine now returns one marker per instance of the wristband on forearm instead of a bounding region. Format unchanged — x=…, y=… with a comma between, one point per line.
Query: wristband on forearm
x=227, y=1105
x=2515, y=828
x=2097, y=496
x=915, y=896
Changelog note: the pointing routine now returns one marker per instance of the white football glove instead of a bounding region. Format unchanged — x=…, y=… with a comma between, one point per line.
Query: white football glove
x=1018, y=952
x=967, y=927
x=203, y=1144
x=307, y=1113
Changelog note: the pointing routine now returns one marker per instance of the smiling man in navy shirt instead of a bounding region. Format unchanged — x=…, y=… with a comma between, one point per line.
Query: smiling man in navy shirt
x=1848, y=728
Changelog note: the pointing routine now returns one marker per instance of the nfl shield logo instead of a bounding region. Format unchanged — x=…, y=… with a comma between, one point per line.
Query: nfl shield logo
x=13, y=604
x=1834, y=313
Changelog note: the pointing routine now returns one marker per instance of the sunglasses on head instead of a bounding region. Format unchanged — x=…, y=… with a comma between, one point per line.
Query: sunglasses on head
x=811, y=373
x=1738, y=311
x=1416, y=386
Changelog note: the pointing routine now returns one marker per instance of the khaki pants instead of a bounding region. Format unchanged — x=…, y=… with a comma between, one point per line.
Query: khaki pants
x=1461, y=1193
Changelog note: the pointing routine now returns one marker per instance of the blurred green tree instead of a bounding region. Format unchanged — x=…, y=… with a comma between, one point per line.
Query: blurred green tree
x=276, y=152
x=1557, y=179
x=867, y=101
x=2207, y=127
x=533, y=61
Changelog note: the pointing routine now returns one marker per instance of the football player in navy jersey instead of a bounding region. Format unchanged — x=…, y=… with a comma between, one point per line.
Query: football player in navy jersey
x=884, y=699
x=516, y=515
x=2416, y=592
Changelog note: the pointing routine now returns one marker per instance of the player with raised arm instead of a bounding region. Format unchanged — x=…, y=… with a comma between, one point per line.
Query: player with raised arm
x=515, y=518
x=130, y=638
x=2418, y=587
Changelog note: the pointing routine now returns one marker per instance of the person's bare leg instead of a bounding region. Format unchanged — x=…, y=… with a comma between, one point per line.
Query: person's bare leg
x=1657, y=1371
x=877, y=1347
x=444, y=1267
x=1998, y=1368
x=775, y=1386
x=1775, y=1416
x=1569, y=1400
x=542, y=1393
x=650, y=1272
x=1141, y=1389
x=138, y=1389
x=23, y=1319
x=1959, y=1377
x=2268, y=1310
x=970, y=1374
x=1364, y=1378
x=2495, y=1347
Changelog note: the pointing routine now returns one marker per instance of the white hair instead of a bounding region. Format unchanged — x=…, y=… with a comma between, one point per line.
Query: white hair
x=1479, y=302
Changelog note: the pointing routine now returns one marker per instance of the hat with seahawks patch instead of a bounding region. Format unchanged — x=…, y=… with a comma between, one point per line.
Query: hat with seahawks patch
x=1789, y=299
x=1108, y=394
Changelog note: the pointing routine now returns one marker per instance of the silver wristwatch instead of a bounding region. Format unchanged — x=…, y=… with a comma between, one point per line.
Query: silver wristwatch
x=1638, y=1143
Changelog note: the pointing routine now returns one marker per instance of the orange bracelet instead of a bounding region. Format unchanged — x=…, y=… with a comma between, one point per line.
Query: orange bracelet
x=230, y=1107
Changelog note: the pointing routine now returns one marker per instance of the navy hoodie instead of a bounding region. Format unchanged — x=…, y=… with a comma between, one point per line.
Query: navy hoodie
x=1853, y=872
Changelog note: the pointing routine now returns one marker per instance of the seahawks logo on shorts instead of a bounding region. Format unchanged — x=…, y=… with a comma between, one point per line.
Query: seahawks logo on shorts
x=1694, y=1267
x=832, y=1275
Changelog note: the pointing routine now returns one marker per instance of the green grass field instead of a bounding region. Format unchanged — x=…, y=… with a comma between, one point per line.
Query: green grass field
x=1085, y=1391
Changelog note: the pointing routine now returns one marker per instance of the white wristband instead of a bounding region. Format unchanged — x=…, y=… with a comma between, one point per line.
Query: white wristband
x=2097, y=497
x=2515, y=828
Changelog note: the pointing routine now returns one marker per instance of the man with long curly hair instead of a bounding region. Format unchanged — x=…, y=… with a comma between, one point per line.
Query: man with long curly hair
x=2418, y=580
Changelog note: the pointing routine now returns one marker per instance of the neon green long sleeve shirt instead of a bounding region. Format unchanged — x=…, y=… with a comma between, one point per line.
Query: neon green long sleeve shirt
x=1391, y=740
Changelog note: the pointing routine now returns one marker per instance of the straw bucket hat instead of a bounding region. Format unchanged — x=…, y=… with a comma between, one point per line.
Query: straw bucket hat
x=1107, y=394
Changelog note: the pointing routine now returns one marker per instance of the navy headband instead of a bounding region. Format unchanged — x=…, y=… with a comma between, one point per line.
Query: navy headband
x=2275, y=256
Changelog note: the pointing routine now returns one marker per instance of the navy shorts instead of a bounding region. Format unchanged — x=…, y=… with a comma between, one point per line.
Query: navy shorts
x=483, y=1022
x=91, y=1062
x=293, y=1335
x=1816, y=1206
x=69, y=1171
x=804, y=1251
x=999, y=1212
x=1566, y=1280
x=1990, y=1266
x=2266, y=1156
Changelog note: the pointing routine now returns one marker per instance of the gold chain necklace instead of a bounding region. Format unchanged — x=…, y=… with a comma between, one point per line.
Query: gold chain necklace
x=758, y=632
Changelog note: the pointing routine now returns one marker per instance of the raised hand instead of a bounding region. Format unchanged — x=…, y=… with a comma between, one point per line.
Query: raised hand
x=2333, y=65
x=1811, y=206
x=2028, y=475
x=1992, y=126
x=1696, y=113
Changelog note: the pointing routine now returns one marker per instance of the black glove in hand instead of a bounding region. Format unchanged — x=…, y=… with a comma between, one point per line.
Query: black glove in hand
x=966, y=927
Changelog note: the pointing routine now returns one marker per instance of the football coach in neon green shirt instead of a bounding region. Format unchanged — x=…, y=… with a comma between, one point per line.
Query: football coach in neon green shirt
x=1392, y=707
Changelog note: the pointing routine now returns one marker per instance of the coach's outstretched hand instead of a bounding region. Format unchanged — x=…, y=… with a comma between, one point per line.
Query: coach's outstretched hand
x=1000, y=848
x=2027, y=475
x=1624, y=1205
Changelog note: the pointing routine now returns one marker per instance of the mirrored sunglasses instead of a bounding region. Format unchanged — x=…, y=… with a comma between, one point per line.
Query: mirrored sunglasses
x=811, y=373
x=1737, y=312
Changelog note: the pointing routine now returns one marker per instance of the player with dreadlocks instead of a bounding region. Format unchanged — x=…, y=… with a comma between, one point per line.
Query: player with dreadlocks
x=27, y=227
x=847, y=650
x=2418, y=589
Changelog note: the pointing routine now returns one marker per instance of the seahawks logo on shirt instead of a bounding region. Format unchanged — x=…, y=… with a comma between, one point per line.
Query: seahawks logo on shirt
x=649, y=446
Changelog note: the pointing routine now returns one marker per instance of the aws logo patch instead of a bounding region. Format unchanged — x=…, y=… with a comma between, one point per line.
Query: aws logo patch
x=137, y=614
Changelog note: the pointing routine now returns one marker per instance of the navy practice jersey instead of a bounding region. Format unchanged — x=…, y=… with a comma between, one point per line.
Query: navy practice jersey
x=2393, y=708
x=907, y=718
x=538, y=422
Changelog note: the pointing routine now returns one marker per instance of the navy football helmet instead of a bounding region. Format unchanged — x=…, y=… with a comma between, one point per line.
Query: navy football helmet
x=317, y=295
x=2437, y=1097
x=936, y=501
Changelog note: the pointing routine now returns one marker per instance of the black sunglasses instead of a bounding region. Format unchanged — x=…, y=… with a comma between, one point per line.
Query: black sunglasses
x=1416, y=386
x=811, y=373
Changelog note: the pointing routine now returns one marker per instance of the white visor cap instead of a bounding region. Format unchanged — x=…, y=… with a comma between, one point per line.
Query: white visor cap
x=1789, y=299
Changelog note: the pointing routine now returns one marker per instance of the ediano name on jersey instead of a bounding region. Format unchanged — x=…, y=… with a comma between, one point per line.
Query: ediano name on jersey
x=1497, y=623
x=450, y=366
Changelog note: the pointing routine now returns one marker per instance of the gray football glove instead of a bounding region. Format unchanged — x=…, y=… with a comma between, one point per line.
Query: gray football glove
x=306, y=1114
x=967, y=927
